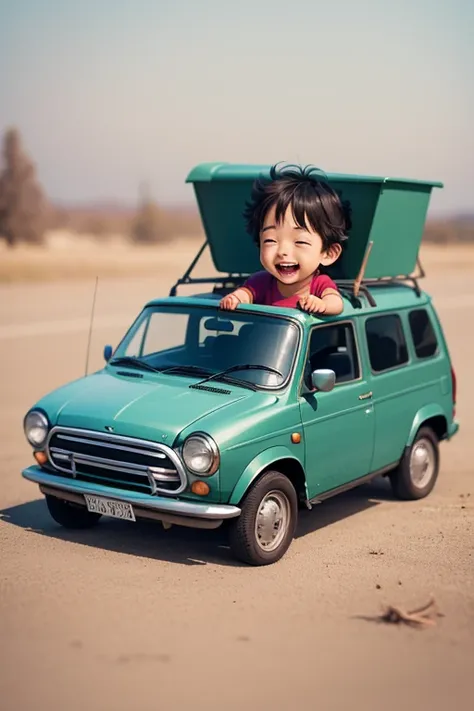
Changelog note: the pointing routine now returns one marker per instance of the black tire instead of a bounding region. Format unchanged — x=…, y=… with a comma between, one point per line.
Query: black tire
x=404, y=478
x=246, y=545
x=70, y=515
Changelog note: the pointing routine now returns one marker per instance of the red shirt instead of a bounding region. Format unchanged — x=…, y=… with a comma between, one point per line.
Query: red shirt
x=264, y=289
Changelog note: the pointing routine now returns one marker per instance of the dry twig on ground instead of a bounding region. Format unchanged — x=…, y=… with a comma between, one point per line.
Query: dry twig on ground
x=424, y=616
x=420, y=618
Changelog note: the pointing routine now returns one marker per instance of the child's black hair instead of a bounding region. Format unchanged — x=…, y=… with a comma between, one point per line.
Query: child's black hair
x=313, y=202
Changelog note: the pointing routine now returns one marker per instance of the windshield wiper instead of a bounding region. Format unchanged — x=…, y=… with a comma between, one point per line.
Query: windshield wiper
x=222, y=375
x=134, y=363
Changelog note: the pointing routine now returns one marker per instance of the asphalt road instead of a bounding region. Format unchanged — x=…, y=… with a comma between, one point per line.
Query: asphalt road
x=131, y=616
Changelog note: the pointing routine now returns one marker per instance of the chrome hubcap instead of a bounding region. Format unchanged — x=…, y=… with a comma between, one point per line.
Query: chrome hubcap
x=422, y=463
x=272, y=520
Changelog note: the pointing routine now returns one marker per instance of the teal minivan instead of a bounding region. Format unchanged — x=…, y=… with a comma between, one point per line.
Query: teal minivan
x=202, y=417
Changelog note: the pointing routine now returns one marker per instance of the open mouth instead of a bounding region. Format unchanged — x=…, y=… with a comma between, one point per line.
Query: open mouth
x=287, y=268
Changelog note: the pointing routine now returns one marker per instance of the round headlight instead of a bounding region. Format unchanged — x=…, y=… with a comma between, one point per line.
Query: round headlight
x=36, y=428
x=201, y=455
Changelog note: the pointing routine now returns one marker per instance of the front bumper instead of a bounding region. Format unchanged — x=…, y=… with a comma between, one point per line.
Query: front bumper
x=184, y=513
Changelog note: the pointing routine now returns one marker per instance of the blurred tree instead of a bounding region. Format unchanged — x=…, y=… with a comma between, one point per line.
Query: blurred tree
x=97, y=225
x=22, y=204
x=147, y=227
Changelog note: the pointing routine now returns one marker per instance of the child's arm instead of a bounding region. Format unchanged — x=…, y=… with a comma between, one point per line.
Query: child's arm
x=232, y=300
x=330, y=303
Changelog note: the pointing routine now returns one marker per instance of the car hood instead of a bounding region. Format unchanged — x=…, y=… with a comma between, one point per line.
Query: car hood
x=146, y=407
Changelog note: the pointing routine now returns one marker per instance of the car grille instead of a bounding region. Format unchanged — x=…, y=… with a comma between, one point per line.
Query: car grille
x=113, y=460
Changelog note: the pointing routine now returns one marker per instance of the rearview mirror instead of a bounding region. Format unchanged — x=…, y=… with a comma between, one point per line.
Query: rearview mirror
x=323, y=379
x=218, y=324
x=108, y=350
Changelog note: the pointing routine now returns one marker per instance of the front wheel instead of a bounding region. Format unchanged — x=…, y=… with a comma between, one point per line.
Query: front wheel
x=70, y=515
x=416, y=475
x=262, y=533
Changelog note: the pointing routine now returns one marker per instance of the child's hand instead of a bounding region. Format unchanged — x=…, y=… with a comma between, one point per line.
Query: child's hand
x=312, y=304
x=229, y=302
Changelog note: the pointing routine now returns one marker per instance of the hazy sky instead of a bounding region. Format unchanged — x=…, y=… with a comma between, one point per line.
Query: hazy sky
x=109, y=93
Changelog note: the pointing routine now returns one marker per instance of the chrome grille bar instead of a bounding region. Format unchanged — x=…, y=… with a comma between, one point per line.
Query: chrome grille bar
x=67, y=459
x=97, y=442
x=129, y=468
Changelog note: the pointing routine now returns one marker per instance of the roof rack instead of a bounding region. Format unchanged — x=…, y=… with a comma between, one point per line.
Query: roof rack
x=231, y=281
x=354, y=287
x=351, y=288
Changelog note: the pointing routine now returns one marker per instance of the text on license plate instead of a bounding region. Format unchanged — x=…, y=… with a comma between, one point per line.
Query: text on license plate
x=110, y=507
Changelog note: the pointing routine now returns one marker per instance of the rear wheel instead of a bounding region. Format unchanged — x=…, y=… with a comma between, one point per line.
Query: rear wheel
x=263, y=532
x=70, y=515
x=417, y=472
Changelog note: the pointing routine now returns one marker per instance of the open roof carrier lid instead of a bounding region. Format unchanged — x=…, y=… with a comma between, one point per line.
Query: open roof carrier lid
x=388, y=218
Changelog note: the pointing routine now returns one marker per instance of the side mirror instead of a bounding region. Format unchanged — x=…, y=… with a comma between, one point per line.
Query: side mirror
x=108, y=350
x=323, y=379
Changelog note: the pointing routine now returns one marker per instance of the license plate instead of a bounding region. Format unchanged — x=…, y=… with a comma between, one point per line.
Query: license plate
x=110, y=507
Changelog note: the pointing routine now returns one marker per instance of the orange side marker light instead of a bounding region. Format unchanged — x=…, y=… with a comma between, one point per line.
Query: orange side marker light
x=40, y=457
x=296, y=438
x=200, y=488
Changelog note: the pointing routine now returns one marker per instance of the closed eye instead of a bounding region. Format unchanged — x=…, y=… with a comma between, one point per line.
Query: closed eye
x=269, y=240
x=300, y=241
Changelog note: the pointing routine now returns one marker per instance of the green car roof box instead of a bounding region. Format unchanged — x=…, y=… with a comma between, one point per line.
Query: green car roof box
x=388, y=218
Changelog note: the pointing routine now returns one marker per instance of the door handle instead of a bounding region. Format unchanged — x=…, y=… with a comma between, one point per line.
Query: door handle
x=366, y=396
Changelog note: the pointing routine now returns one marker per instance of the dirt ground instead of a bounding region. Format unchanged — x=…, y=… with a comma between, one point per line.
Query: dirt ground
x=131, y=616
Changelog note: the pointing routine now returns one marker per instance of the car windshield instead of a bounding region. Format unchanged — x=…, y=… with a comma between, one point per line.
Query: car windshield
x=199, y=341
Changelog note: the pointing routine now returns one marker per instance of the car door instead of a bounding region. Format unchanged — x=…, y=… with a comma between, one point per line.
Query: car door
x=338, y=425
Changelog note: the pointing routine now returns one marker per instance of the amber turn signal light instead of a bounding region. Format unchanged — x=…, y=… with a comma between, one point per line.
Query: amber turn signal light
x=200, y=488
x=296, y=438
x=40, y=457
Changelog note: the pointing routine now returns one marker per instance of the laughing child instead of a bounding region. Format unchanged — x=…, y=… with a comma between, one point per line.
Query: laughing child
x=299, y=224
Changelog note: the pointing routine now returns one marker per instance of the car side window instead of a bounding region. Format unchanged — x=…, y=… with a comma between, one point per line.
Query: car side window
x=423, y=334
x=386, y=342
x=334, y=347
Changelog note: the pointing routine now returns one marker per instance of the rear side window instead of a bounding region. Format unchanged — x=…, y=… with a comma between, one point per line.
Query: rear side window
x=386, y=342
x=422, y=332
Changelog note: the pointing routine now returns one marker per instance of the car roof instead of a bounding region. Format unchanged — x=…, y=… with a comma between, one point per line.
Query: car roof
x=387, y=297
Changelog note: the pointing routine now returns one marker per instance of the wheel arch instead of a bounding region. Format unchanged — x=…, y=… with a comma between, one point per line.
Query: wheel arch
x=278, y=458
x=432, y=416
